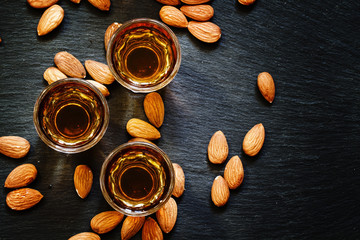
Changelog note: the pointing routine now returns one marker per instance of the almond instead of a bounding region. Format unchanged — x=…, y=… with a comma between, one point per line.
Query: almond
x=83, y=180
x=52, y=74
x=85, y=236
x=151, y=230
x=154, y=108
x=139, y=128
x=266, y=86
x=234, y=172
x=101, y=87
x=254, y=140
x=51, y=19
x=137, y=139
x=205, y=31
x=173, y=17
x=100, y=72
x=14, y=147
x=195, y=2
x=21, y=176
x=220, y=192
x=69, y=65
x=103, y=5
x=198, y=12
x=246, y=2
x=170, y=2
x=167, y=215
x=218, y=149
x=131, y=226
x=23, y=198
x=76, y=1
x=41, y=3
x=106, y=221
x=179, y=186
x=109, y=32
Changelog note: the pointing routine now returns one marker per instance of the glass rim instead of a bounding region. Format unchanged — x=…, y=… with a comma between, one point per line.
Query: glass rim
x=139, y=88
x=136, y=213
x=80, y=148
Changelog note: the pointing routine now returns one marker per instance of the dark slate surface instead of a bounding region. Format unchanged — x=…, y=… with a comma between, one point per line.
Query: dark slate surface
x=304, y=184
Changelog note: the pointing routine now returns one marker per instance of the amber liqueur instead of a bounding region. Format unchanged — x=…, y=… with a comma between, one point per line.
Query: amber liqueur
x=137, y=180
x=145, y=55
x=71, y=116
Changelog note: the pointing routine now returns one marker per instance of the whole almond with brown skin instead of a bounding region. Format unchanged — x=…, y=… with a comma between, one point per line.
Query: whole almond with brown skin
x=266, y=86
x=14, y=146
x=109, y=32
x=103, y=5
x=167, y=215
x=52, y=74
x=154, y=109
x=100, y=72
x=83, y=180
x=198, y=12
x=76, y=1
x=85, y=236
x=41, y=3
x=179, y=186
x=101, y=87
x=51, y=19
x=246, y=2
x=139, y=128
x=21, y=176
x=205, y=31
x=220, y=192
x=218, y=149
x=131, y=226
x=69, y=65
x=194, y=2
x=106, y=221
x=254, y=140
x=23, y=198
x=173, y=17
x=151, y=230
x=234, y=172
x=170, y=2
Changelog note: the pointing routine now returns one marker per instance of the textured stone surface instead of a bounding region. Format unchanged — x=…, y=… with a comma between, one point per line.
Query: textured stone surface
x=304, y=184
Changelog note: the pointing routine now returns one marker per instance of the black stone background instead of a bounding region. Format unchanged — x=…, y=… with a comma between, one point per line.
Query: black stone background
x=304, y=184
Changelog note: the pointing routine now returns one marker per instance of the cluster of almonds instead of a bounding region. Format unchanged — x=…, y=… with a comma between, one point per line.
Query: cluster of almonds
x=218, y=149
x=21, y=176
x=21, y=198
x=105, y=222
x=200, y=26
x=67, y=65
x=166, y=216
x=54, y=14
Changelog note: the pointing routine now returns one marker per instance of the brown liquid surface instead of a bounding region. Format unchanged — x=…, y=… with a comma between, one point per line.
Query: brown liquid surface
x=72, y=120
x=136, y=183
x=144, y=55
x=137, y=179
x=142, y=62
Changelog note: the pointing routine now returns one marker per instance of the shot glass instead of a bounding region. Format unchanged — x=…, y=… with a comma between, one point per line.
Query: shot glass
x=144, y=55
x=71, y=115
x=137, y=178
